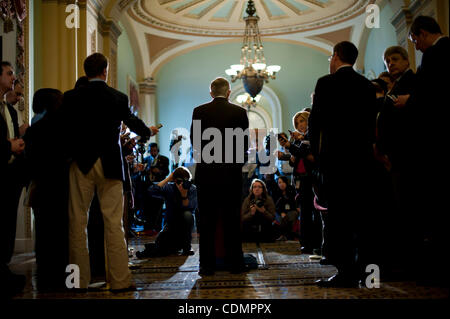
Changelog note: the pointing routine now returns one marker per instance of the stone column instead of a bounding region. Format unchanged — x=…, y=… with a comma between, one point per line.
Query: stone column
x=110, y=31
x=402, y=21
x=147, y=102
x=64, y=46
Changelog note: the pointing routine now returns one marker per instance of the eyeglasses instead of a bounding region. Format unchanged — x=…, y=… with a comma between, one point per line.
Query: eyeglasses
x=330, y=57
x=412, y=39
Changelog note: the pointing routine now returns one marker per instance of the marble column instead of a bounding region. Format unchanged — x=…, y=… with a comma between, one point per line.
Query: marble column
x=110, y=32
x=402, y=21
x=147, y=102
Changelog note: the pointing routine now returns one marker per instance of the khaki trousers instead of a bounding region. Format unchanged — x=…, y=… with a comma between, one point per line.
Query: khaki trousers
x=110, y=195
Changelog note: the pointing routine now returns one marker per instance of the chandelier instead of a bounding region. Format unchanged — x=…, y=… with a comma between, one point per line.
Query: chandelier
x=247, y=101
x=252, y=68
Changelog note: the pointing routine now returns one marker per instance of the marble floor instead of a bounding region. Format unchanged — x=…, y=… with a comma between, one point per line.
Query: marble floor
x=282, y=273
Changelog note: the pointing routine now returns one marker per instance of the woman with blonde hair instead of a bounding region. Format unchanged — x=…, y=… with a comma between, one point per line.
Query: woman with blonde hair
x=302, y=162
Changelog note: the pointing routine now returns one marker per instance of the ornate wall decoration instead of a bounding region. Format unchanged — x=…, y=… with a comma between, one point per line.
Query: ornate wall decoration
x=14, y=12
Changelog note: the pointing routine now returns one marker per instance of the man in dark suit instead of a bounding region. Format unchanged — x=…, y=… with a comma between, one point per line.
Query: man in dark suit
x=431, y=97
x=11, y=147
x=157, y=170
x=342, y=128
x=395, y=146
x=218, y=179
x=93, y=119
x=157, y=164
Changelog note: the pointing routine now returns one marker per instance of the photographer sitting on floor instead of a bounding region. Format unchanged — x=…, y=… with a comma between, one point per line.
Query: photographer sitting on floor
x=258, y=214
x=180, y=196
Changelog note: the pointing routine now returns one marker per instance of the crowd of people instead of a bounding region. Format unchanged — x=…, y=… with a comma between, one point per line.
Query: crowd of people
x=360, y=190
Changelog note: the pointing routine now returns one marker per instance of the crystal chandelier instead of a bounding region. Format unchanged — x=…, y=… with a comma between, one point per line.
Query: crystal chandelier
x=247, y=101
x=252, y=68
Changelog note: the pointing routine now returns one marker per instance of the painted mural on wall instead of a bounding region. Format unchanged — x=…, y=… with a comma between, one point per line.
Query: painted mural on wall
x=14, y=12
x=133, y=93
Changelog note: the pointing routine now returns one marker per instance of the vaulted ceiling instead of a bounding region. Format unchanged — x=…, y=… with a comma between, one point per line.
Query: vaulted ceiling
x=164, y=29
x=225, y=17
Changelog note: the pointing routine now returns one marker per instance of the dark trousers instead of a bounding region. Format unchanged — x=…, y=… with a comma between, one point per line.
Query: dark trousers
x=10, y=189
x=310, y=223
x=350, y=221
x=324, y=245
x=96, y=239
x=287, y=224
x=153, y=213
x=258, y=229
x=176, y=234
x=219, y=201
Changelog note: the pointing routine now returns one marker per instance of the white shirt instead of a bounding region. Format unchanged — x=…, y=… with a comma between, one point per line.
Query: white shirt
x=344, y=66
x=437, y=40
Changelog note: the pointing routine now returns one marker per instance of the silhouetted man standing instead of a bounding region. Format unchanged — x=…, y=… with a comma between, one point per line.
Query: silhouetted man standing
x=94, y=115
x=342, y=128
x=218, y=178
x=10, y=182
x=431, y=99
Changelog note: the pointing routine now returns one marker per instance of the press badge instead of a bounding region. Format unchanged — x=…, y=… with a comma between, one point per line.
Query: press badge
x=287, y=207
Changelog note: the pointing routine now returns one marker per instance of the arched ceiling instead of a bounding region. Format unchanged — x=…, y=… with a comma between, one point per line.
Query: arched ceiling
x=161, y=30
x=224, y=18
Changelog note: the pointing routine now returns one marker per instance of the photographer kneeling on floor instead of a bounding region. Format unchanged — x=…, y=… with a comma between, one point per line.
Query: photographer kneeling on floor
x=258, y=214
x=180, y=196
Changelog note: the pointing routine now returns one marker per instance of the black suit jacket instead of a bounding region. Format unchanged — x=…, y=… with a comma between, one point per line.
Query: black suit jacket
x=342, y=122
x=431, y=97
x=219, y=184
x=162, y=164
x=396, y=125
x=93, y=117
x=5, y=145
x=220, y=114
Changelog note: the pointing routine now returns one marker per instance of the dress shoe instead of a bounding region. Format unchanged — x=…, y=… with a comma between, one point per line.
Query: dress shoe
x=338, y=281
x=206, y=271
x=306, y=250
x=239, y=269
x=12, y=284
x=281, y=238
x=324, y=261
x=187, y=252
x=132, y=287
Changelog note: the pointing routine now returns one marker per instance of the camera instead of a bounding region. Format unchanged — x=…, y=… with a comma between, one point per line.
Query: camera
x=185, y=183
x=259, y=202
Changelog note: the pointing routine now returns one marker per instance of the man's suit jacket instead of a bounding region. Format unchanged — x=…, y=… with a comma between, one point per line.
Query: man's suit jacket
x=429, y=101
x=342, y=121
x=162, y=163
x=5, y=145
x=396, y=125
x=93, y=117
x=219, y=185
x=219, y=114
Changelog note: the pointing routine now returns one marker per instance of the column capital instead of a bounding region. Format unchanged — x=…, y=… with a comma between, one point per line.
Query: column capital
x=109, y=28
x=148, y=86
